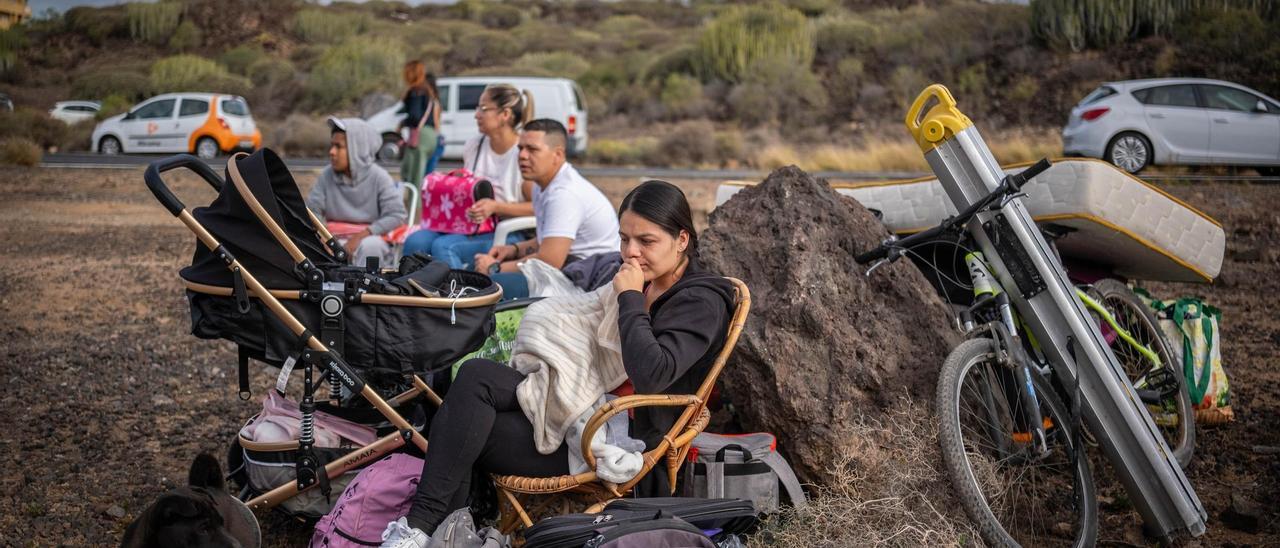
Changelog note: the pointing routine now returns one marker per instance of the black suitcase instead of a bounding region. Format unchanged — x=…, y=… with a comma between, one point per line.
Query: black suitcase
x=730, y=516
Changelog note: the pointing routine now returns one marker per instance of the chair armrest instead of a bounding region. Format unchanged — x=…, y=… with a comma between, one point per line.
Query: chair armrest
x=625, y=403
x=514, y=224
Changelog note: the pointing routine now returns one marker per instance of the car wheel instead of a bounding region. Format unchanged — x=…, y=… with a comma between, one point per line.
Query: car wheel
x=109, y=146
x=1129, y=151
x=207, y=148
x=390, y=150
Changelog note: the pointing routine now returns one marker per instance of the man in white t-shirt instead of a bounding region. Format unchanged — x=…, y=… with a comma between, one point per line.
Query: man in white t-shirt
x=574, y=219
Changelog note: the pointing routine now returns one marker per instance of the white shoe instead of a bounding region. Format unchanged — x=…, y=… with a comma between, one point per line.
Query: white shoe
x=398, y=534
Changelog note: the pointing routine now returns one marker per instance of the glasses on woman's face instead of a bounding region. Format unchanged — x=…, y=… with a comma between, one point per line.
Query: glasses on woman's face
x=487, y=108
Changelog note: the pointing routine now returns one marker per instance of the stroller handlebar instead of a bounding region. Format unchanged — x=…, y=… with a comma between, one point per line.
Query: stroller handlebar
x=161, y=191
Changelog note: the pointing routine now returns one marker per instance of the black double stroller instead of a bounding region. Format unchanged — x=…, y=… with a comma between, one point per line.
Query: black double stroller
x=268, y=276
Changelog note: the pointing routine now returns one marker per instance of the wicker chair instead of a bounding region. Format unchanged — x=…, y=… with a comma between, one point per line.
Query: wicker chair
x=561, y=492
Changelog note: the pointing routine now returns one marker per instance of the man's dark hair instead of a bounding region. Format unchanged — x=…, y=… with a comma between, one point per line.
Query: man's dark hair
x=554, y=130
x=665, y=205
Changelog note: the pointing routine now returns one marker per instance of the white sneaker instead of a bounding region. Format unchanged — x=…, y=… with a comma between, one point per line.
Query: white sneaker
x=398, y=534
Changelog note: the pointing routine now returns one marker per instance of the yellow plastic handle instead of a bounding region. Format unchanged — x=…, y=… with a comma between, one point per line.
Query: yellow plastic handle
x=933, y=127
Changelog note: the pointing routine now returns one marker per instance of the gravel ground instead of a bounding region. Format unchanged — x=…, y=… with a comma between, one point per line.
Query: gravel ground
x=109, y=398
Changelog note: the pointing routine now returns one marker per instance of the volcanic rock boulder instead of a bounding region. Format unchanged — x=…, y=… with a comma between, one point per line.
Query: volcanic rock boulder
x=824, y=343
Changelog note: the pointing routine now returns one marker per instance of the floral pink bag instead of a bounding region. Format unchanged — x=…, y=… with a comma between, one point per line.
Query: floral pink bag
x=445, y=199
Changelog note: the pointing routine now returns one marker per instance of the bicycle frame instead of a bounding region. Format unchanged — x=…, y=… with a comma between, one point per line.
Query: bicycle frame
x=1056, y=316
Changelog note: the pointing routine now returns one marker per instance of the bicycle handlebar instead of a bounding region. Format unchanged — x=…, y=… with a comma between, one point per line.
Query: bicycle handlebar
x=1010, y=185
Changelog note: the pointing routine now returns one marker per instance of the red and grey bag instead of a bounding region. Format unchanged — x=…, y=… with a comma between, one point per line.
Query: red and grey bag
x=742, y=466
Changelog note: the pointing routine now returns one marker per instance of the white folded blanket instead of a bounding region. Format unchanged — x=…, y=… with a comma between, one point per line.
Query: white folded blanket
x=569, y=350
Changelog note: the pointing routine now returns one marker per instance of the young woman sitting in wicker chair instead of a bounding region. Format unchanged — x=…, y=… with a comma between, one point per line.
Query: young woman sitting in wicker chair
x=672, y=322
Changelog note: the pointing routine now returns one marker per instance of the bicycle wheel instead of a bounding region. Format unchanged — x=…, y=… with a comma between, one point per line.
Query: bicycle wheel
x=1012, y=496
x=1174, y=415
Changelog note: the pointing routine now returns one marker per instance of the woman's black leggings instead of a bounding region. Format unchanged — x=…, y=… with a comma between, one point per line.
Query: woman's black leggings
x=479, y=424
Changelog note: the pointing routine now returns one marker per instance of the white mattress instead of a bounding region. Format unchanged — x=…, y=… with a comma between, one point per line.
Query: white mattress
x=1119, y=221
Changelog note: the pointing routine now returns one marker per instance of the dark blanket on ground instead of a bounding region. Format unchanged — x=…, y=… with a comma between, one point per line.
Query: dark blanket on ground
x=824, y=343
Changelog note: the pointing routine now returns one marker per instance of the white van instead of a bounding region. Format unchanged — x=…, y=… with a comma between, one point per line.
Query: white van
x=559, y=99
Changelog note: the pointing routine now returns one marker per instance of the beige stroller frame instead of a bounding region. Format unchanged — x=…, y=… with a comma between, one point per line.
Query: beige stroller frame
x=331, y=361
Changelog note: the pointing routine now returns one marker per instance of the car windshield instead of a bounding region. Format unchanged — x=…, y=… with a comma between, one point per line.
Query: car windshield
x=235, y=107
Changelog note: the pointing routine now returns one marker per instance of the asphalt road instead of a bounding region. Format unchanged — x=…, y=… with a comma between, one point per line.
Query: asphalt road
x=131, y=161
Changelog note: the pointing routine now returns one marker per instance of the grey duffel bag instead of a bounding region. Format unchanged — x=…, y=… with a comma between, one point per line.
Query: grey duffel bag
x=744, y=466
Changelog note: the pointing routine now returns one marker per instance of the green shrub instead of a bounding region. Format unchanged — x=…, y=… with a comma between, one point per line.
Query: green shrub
x=776, y=89
x=192, y=72
x=906, y=83
x=20, y=152
x=33, y=125
x=682, y=96
x=1205, y=39
x=240, y=58
x=621, y=25
x=619, y=152
x=604, y=75
x=844, y=82
x=500, y=16
x=11, y=40
x=187, y=37
x=562, y=64
x=155, y=22
x=691, y=143
x=114, y=104
x=678, y=60
x=838, y=37
x=812, y=8
x=1077, y=24
x=127, y=84
x=270, y=71
x=1024, y=88
x=743, y=36
x=729, y=145
x=98, y=24
x=325, y=26
x=354, y=68
x=479, y=49
x=507, y=70
x=751, y=103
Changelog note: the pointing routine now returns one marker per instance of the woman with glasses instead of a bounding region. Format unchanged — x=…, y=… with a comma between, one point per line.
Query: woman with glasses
x=492, y=156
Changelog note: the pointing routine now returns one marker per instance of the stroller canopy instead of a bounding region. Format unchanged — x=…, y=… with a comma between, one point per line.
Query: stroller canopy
x=232, y=221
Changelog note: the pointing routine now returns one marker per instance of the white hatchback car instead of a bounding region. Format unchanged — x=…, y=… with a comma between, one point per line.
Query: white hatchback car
x=559, y=99
x=200, y=123
x=74, y=112
x=1183, y=121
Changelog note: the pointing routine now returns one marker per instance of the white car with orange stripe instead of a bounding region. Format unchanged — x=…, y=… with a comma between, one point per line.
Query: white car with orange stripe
x=204, y=124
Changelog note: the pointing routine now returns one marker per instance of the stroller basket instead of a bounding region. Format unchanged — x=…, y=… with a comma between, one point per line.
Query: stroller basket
x=268, y=276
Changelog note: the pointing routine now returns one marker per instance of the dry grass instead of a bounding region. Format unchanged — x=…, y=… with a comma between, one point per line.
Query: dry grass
x=892, y=491
x=18, y=151
x=903, y=155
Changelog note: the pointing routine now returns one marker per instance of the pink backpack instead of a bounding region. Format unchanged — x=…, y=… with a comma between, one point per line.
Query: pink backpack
x=445, y=199
x=380, y=494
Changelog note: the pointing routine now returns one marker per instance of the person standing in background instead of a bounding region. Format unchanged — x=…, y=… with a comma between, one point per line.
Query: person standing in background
x=439, y=151
x=422, y=117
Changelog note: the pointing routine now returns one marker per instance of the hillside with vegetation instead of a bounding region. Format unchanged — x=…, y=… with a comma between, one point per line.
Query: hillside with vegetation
x=821, y=83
